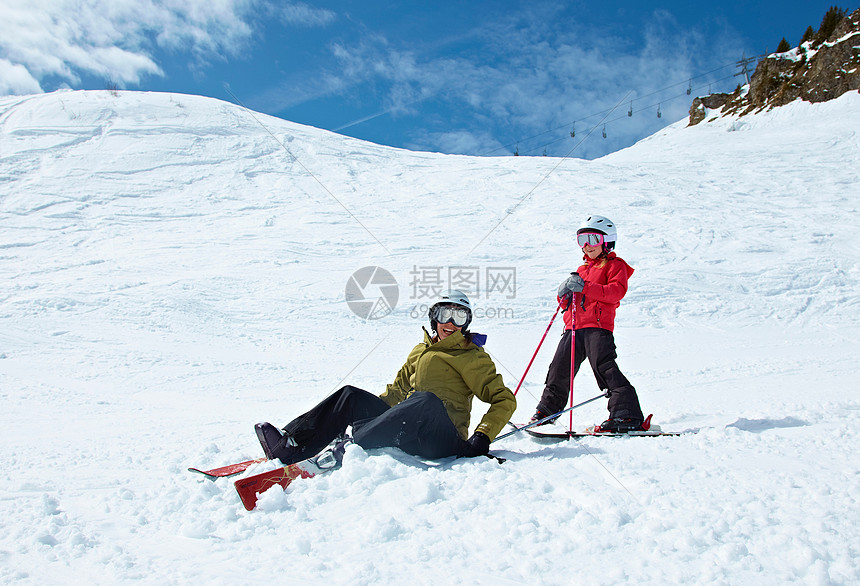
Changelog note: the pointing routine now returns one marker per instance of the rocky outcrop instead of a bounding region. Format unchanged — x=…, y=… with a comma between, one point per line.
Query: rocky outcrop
x=701, y=105
x=814, y=72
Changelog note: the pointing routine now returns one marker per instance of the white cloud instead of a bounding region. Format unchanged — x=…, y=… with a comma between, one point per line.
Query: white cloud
x=460, y=142
x=15, y=79
x=114, y=39
x=297, y=13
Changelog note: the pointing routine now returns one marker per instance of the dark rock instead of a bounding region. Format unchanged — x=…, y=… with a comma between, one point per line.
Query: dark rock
x=814, y=72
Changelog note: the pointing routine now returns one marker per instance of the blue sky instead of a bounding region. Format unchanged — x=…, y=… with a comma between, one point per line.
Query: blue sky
x=477, y=78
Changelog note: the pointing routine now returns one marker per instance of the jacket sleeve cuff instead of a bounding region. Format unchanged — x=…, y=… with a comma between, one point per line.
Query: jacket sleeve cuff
x=485, y=429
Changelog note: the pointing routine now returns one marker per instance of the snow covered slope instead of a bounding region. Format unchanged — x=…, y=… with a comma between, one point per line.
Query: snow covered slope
x=173, y=271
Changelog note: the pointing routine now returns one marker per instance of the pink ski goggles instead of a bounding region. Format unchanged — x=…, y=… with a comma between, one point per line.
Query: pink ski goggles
x=592, y=238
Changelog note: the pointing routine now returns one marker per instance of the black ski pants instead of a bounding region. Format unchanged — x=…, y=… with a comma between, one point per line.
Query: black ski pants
x=598, y=345
x=419, y=425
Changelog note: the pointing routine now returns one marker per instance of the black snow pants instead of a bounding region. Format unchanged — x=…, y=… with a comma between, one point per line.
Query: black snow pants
x=598, y=345
x=419, y=425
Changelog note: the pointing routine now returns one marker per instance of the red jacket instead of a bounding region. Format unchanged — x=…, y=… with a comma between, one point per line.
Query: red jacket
x=605, y=286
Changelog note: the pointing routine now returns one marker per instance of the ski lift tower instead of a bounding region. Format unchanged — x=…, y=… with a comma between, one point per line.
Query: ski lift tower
x=744, y=64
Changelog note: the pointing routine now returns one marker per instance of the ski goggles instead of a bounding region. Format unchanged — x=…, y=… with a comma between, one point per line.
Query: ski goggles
x=444, y=314
x=591, y=238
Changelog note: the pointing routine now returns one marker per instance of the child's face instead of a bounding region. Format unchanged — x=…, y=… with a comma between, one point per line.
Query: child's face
x=592, y=252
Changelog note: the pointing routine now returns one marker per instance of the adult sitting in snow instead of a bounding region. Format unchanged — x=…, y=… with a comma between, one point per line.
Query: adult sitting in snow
x=424, y=412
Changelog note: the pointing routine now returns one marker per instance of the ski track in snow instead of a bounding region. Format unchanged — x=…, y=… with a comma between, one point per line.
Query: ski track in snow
x=172, y=275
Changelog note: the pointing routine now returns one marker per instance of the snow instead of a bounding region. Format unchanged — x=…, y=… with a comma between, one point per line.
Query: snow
x=809, y=48
x=843, y=38
x=173, y=272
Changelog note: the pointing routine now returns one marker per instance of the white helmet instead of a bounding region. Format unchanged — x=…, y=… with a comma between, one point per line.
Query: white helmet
x=452, y=297
x=603, y=225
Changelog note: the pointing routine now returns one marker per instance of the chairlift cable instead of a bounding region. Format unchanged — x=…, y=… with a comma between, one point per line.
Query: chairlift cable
x=602, y=112
x=622, y=117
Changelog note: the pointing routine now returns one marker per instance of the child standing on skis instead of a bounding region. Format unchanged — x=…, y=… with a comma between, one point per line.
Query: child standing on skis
x=589, y=298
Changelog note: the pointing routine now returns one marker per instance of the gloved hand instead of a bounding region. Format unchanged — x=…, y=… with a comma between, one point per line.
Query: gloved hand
x=477, y=445
x=573, y=284
x=565, y=301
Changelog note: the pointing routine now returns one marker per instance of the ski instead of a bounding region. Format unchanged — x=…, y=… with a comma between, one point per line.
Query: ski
x=225, y=471
x=551, y=431
x=639, y=433
x=251, y=487
x=565, y=434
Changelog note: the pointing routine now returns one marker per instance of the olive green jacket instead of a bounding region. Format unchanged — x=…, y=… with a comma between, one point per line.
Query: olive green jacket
x=455, y=370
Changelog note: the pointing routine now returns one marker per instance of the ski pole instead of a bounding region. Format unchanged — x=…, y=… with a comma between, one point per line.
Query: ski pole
x=572, y=351
x=554, y=415
x=523, y=378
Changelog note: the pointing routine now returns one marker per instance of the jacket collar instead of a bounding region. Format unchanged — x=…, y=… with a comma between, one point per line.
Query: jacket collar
x=608, y=256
